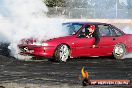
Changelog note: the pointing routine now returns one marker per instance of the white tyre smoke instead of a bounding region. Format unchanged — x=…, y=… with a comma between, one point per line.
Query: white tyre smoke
x=26, y=19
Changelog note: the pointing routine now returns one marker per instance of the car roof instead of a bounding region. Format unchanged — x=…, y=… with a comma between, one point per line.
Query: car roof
x=85, y=23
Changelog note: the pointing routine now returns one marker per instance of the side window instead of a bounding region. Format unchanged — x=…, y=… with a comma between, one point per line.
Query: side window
x=82, y=34
x=106, y=30
x=103, y=30
x=118, y=33
x=115, y=31
x=112, y=31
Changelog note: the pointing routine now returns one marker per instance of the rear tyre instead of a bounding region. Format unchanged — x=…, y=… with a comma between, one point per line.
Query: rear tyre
x=62, y=53
x=119, y=51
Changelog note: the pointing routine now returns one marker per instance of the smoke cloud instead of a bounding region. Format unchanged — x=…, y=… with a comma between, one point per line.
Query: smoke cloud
x=127, y=29
x=26, y=19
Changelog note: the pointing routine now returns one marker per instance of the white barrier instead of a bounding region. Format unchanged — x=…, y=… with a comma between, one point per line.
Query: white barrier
x=114, y=21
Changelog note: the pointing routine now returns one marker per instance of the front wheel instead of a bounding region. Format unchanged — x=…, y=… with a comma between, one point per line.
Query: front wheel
x=119, y=51
x=62, y=53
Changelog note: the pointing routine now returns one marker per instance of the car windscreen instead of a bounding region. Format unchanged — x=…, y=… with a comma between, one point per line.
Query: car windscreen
x=71, y=28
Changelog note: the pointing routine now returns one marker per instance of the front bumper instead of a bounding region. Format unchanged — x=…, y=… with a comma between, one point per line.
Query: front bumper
x=35, y=50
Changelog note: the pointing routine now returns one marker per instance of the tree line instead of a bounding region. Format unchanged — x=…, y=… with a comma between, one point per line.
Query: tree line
x=55, y=3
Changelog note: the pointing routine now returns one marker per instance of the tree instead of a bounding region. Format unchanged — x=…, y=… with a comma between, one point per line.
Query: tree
x=54, y=3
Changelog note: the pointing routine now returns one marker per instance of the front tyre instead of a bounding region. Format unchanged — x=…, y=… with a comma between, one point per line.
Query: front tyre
x=119, y=51
x=62, y=53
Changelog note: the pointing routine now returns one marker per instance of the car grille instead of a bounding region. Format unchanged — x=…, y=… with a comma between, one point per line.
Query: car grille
x=26, y=49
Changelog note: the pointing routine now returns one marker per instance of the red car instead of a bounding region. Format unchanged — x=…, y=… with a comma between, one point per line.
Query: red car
x=113, y=41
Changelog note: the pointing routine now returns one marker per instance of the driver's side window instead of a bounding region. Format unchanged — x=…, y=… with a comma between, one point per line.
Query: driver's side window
x=83, y=33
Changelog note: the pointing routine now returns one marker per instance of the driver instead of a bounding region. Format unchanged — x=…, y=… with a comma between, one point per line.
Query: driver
x=93, y=31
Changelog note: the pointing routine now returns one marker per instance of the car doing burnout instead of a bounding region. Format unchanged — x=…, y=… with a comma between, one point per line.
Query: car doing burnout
x=113, y=41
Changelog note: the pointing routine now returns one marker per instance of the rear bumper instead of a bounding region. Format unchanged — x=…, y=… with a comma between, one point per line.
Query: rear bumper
x=34, y=50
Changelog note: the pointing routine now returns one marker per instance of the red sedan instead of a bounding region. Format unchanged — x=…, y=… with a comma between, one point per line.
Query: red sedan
x=113, y=41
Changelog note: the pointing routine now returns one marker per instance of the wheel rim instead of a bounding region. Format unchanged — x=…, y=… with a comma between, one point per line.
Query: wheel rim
x=119, y=51
x=64, y=53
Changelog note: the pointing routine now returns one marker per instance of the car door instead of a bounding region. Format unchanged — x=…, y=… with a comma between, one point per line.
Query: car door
x=84, y=45
x=108, y=39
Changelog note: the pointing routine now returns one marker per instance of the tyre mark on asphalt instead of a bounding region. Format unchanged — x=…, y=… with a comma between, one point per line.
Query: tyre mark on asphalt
x=43, y=72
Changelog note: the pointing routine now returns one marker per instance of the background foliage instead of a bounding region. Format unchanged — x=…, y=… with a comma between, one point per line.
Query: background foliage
x=55, y=3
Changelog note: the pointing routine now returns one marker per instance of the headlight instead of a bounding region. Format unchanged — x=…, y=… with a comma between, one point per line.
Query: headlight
x=44, y=44
x=37, y=43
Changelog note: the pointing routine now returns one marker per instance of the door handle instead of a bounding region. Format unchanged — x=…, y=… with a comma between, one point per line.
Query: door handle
x=114, y=38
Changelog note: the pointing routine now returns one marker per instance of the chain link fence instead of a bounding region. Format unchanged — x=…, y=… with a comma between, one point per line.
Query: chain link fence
x=94, y=13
